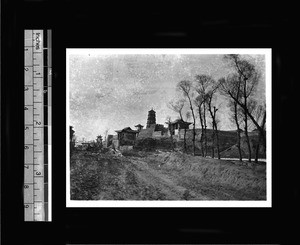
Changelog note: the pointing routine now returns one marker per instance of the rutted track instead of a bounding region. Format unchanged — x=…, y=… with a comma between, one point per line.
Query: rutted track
x=163, y=176
x=167, y=184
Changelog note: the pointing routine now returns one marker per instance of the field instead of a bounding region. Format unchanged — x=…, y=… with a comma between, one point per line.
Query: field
x=163, y=175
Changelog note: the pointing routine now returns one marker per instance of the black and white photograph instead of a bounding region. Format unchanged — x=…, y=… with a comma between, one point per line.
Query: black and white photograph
x=148, y=123
x=175, y=127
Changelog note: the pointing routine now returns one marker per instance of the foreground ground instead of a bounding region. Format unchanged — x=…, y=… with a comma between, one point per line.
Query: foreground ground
x=163, y=176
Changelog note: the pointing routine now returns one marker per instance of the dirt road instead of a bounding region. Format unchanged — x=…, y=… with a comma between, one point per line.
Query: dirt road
x=166, y=183
x=163, y=176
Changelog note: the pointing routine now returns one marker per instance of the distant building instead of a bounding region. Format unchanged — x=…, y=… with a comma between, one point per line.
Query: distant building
x=139, y=127
x=87, y=145
x=151, y=118
x=108, y=141
x=177, y=127
x=152, y=129
x=126, y=136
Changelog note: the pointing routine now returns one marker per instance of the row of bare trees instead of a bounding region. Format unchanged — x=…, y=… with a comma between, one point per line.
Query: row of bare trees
x=239, y=88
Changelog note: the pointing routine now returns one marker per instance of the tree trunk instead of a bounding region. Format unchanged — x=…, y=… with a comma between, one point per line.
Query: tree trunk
x=213, y=144
x=205, y=132
x=218, y=145
x=184, y=141
x=217, y=135
x=184, y=136
x=238, y=130
x=259, y=128
x=213, y=117
x=246, y=119
x=171, y=136
x=202, y=131
x=260, y=138
x=194, y=137
x=247, y=137
x=216, y=132
x=257, y=152
x=194, y=125
x=239, y=143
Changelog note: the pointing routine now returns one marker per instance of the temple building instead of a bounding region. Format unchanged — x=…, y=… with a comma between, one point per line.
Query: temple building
x=126, y=136
x=139, y=127
x=152, y=130
x=151, y=118
x=178, y=126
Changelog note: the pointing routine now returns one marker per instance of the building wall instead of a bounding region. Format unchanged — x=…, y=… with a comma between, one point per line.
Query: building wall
x=157, y=134
x=127, y=138
x=147, y=132
x=116, y=143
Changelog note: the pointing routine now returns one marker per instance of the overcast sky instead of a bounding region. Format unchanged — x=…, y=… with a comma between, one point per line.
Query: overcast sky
x=111, y=92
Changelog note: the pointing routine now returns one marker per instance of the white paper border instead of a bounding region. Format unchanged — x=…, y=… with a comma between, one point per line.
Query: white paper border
x=193, y=203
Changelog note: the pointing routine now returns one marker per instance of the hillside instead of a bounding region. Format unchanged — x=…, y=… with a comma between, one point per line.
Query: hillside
x=227, y=143
x=163, y=175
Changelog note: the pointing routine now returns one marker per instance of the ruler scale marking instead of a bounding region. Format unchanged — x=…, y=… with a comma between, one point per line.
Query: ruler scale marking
x=36, y=150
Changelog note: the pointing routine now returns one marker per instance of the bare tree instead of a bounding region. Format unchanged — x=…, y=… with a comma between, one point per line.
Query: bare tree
x=168, y=119
x=187, y=118
x=199, y=101
x=248, y=78
x=213, y=110
x=236, y=117
x=233, y=83
x=72, y=139
x=259, y=113
x=186, y=88
x=203, y=83
x=177, y=106
x=260, y=139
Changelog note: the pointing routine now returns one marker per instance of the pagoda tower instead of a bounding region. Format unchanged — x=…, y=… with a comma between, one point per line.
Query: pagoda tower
x=151, y=118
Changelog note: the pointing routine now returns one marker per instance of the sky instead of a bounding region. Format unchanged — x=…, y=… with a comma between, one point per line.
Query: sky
x=109, y=92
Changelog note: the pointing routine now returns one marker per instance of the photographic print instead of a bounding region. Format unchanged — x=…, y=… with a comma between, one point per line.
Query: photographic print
x=168, y=128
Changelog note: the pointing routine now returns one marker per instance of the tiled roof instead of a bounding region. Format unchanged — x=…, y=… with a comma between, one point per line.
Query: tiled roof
x=127, y=129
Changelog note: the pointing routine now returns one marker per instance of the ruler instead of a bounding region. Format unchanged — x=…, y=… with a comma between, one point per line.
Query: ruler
x=37, y=125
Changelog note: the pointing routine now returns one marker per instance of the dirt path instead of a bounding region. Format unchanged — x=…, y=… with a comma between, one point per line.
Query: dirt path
x=163, y=176
x=166, y=183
